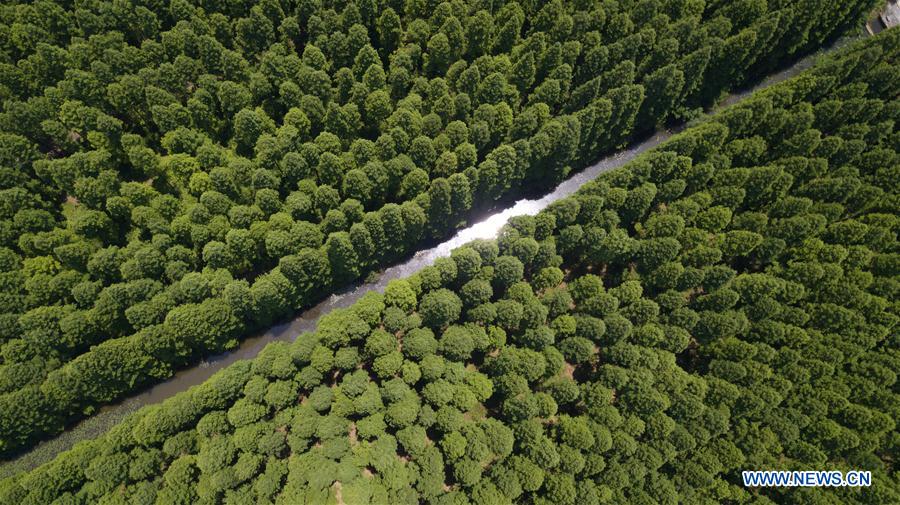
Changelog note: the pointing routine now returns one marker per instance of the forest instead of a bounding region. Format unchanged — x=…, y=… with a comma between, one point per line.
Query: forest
x=179, y=175
x=727, y=301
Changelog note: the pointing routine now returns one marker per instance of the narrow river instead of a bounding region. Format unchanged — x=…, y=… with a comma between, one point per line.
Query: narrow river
x=108, y=416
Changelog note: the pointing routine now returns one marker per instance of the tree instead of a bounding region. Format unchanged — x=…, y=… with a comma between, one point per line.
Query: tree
x=414, y=183
x=508, y=269
x=249, y=125
x=523, y=72
x=356, y=184
x=439, y=308
x=255, y=33
x=440, y=206
x=457, y=343
x=342, y=257
x=93, y=224
x=577, y=350
x=440, y=54
x=662, y=89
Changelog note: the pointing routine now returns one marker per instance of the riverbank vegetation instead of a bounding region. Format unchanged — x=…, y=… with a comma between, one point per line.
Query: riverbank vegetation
x=726, y=301
x=176, y=177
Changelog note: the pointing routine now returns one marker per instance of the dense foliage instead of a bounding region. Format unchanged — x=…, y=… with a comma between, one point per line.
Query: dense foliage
x=727, y=301
x=176, y=176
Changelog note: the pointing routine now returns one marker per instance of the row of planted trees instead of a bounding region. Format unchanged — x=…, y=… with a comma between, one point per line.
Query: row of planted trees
x=176, y=176
x=727, y=301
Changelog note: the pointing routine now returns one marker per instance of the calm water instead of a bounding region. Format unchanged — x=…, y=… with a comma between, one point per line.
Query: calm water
x=109, y=415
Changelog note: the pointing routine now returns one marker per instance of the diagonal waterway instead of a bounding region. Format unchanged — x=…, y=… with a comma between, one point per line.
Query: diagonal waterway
x=108, y=416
